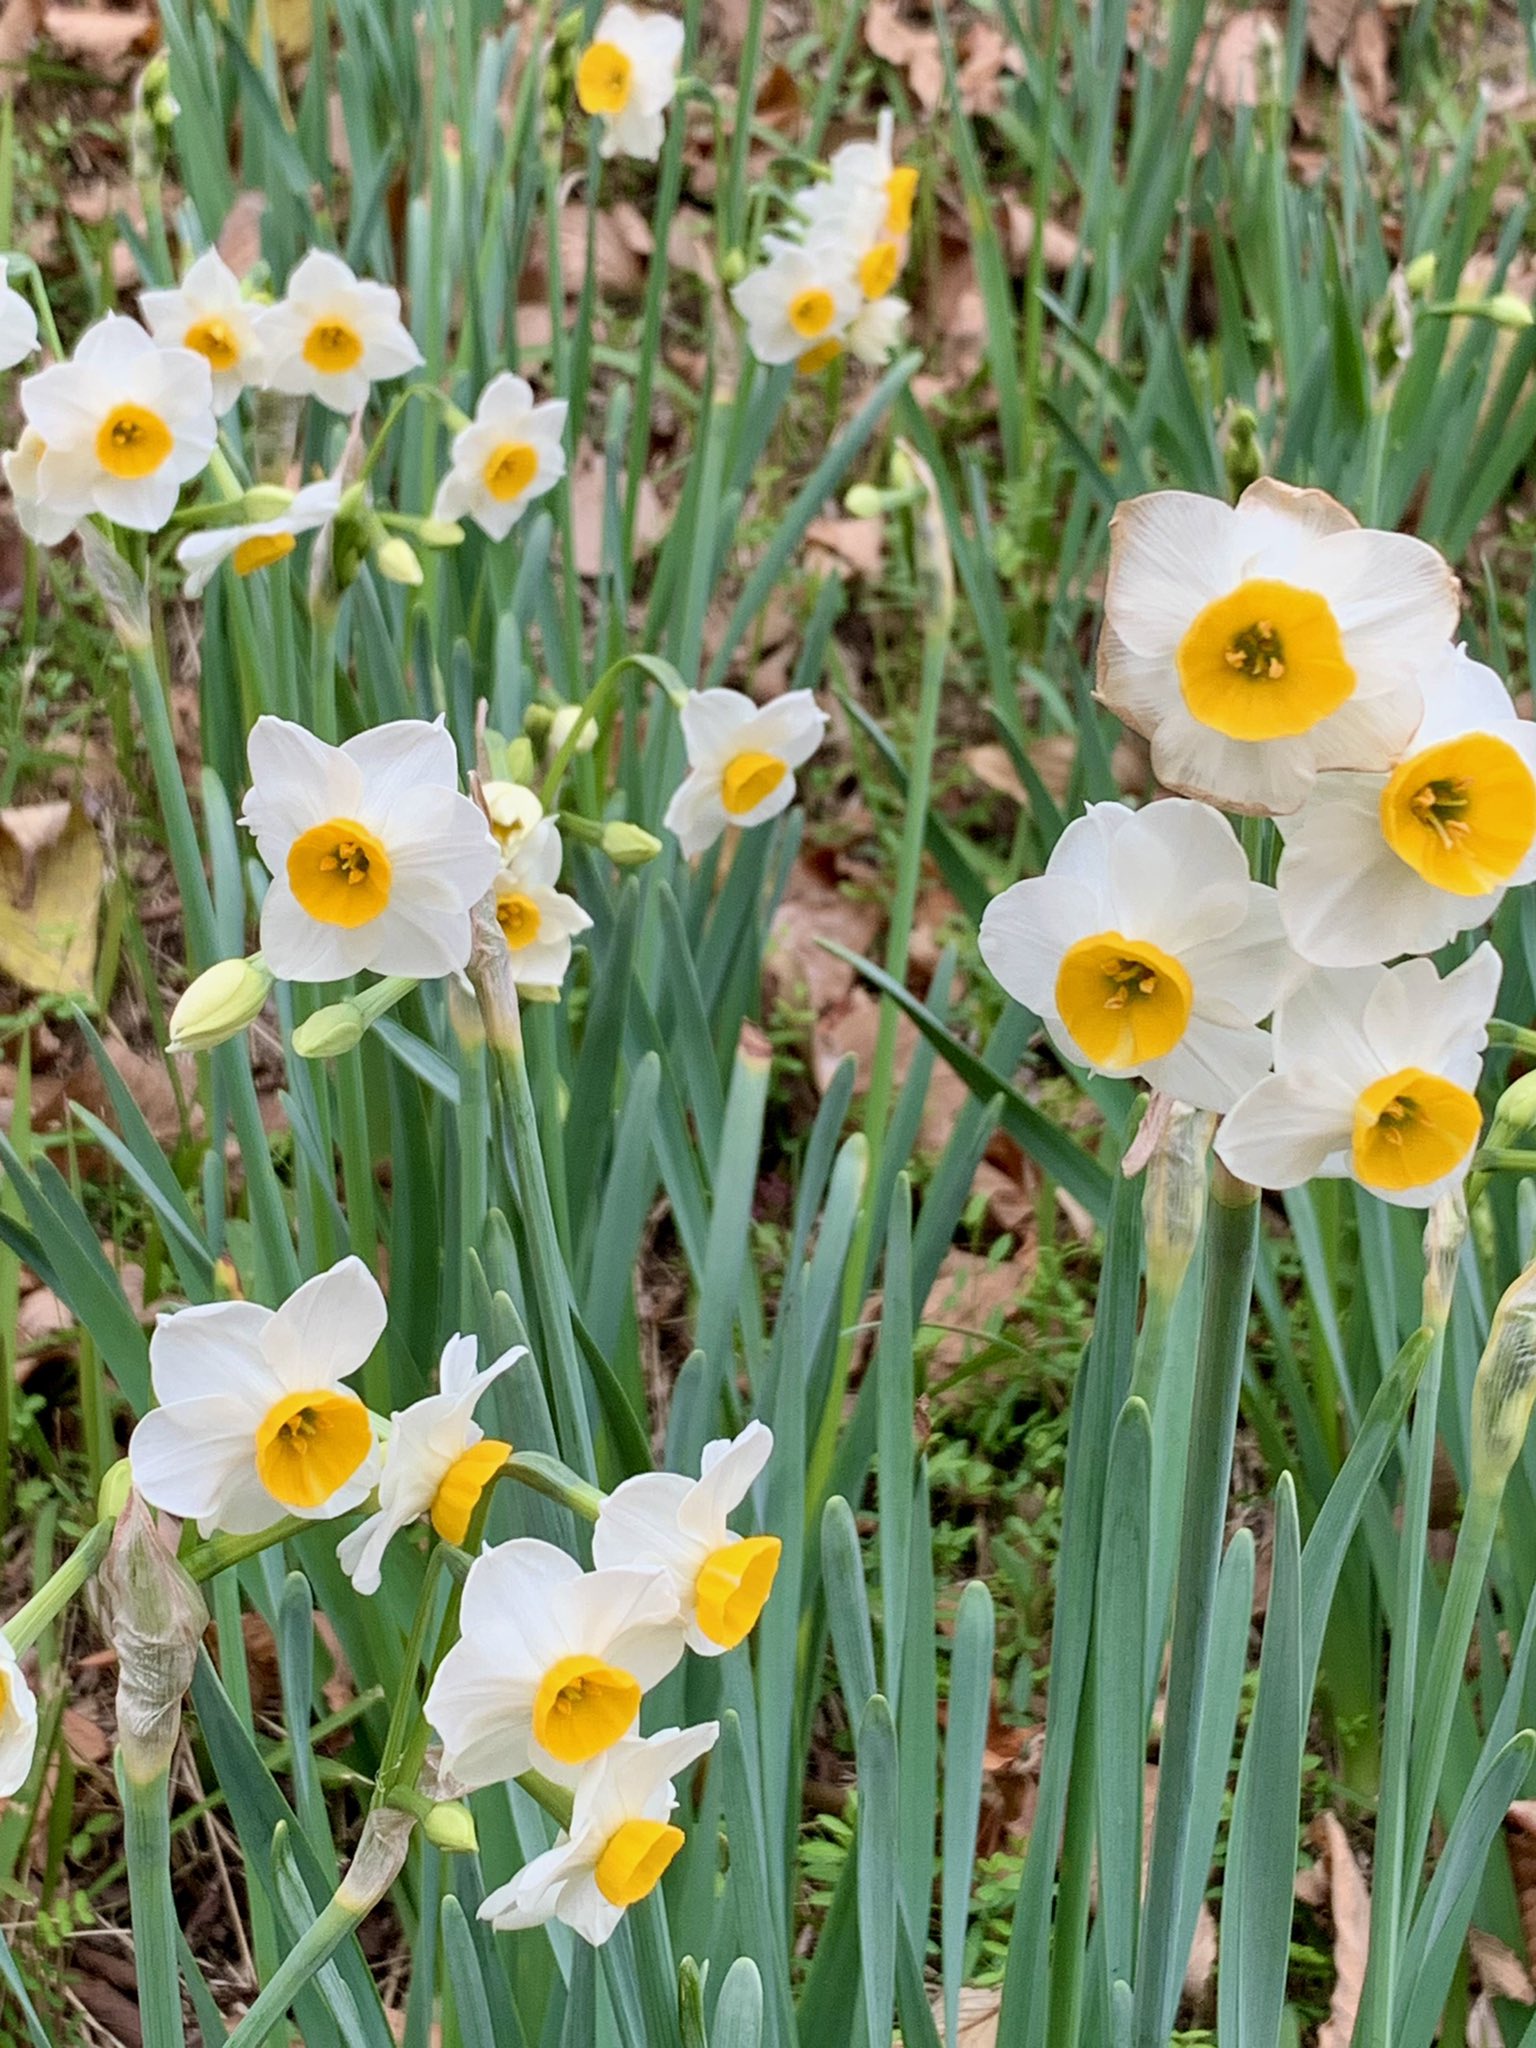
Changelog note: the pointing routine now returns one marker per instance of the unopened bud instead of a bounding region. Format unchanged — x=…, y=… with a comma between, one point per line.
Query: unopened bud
x=330, y=1032
x=627, y=845
x=1444, y=1235
x=733, y=266
x=1419, y=275
x=513, y=810
x=397, y=561
x=112, y=1494
x=1505, y=1386
x=865, y=501
x=1508, y=309
x=265, y=501
x=537, y=720
x=154, y=1617
x=438, y=533
x=449, y=1825
x=1175, y=1142
x=1243, y=457
x=565, y=722
x=221, y=1003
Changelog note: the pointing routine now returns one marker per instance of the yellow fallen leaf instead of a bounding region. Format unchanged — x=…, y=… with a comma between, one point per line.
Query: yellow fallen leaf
x=50, y=895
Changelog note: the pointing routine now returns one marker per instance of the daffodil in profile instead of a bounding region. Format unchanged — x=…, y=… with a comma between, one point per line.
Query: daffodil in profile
x=438, y=1461
x=1375, y=1072
x=208, y=314
x=256, y=544
x=551, y=1663
x=375, y=855
x=1255, y=645
x=741, y=761
x=799, y=302
x=334, y=335
x=255, y=1420
x=536, y=920
x=1379, y=865
x=511, y=453
x=123, y=425
x=18, y=325
x=514, y=810
x=18, y=1722
x=619, y=1845
x=627, y=77
x=43, y=523
x=1145, y=949
x=682, y=1526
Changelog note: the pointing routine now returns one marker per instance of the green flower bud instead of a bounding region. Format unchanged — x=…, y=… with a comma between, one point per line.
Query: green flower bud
x=1508, y=309
x=1505, y=1387
x=1243, y=457
x=265, y=501
x=733, y=267
x=1514, y=1115
x=1177, y=1143
x=449, y=1825
x=223, y=1001
x=112, y=1494
x=1419, y=275
x=397, y=561
x=865, y=501
x=629, y=846
x=438, y=533
x=329, y=1032
x=566, y=721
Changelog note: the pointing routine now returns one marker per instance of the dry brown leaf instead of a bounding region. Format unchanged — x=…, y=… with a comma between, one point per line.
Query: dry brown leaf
x=778, y=100
x=51, y=872
x=41, y=1314
x=971, y=1299
x=1328, y=25
x=814, y=908
x=1502, y=1972
x=1234, y=75
x=985, y=54
x=21, y=23
x=976, y=2021
x=239, y=240
x=1365, y=63
x=88, y=1743
x=912, y=50
x=992, y=765
x=102, y=36
x=587, y=512
x=1061, y=245
x=842, y=545
x=1335, y=1885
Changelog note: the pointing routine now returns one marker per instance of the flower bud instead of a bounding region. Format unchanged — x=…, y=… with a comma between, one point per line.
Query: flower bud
x=513, y=810
x=733, y=267
x=865, y=501
x=1419, y=275
x=154, y=1617
x=520, y=761
x=1175, y=1141
x=1444, y=1234
x=449, y=1825
x=627, y=845
x=1508, y=309
x=1242, y=455
x=221, y=1003
x=265, y=501
x=397, y=561
x=438, y=533
x=1505, y=1387
x=565, y=722
x=1514, y=1116
x=330, y=1032
x=112, y=1494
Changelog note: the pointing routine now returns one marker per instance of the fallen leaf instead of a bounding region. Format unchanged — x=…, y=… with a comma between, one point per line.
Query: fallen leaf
x=815, y=908
x=976, y=2019
x=778, y=100
x=846, y=544
x=21, y=23
x=1335, y=1885
x=1328, y=24
x=971, y=1300
x=239, y=240
x=1061, y=245
x=912, y=50
x=51, y=870
x=1241, y=46
x=992, y=764
x=587, y=512
x=88, y=1743
x=103, y=36
x=1520, y=1833
x=1365, y=63
x=1501, y=1971
x=985, y=55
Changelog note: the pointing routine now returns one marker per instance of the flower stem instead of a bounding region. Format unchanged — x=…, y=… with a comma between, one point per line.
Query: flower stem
x=152, y=1907
x=28, y=1622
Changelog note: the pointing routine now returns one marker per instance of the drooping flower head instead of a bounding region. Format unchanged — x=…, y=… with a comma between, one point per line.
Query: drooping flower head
x=1375, y=1069
x=537, y=922
x=207, y=314
x=510, y=453
x=1255, y=645
x=551, y=1664
x=799, y=302
x=1378, y=865
x=721, y=1581
x=257, y=544
x=627, y=75
x=334, y=335
x=18, y=1722
x=375, y=855
x=618, y=1846
x=123, y=424
x=741, y=761
x=254, y=1421
x=1145, y=949
x=437, y=1462
x=18, y=325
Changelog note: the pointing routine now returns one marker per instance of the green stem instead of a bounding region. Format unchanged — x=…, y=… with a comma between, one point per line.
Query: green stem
x=180, y=832
x=338, y=1918
x=152, y=1907
x=1231, y=1244
x=28, y=1622
x=220, y=1552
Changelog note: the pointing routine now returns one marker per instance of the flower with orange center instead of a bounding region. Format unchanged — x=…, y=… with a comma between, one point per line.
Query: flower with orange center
x=1380, y=865
x=437, y=1463
x=1376, y=1071
x=254, y=1420
x=741, y=761
x=536, y=920
x=511, y=453
x=253, y=546
x=334, y=335
x=18, y=1723
x=123, y=425
x=721, y=1580
x=1145, y=949
x=619, y=1845
x=208, y=314
x=1257, y=644
x=627, y=78
x=551, y=1663
x=376, y=857
x=800, y=298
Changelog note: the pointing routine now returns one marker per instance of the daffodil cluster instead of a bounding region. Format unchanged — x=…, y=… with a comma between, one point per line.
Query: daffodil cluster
x=827, y=281
x=255, y=1423
x=1284, y=662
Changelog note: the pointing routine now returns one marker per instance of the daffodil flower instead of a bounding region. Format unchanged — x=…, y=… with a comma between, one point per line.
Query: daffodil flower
x=333, y=335
x=254, y=1421
x=1378, y=865
x=1375, y=1069
x=18, y=325
x=741, y=761
x=859, y=170
x=551, y=1663
x=123, y=424
x=510, y=453
x=375, y=856
x=18, y=1722
x=721, y=1581
x=43, y=523
x=1145, y=949
x=799, y=303
x=257, y=545
x=537, y=922
x=207, y=314
x=437, y=1462
x=619, y=1845
x=627, y=75
x=513, y=809
x=1257, y=644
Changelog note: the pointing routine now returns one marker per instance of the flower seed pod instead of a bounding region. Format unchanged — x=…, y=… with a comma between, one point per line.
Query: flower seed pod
x=154, y=1616
x=1505, y=1387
